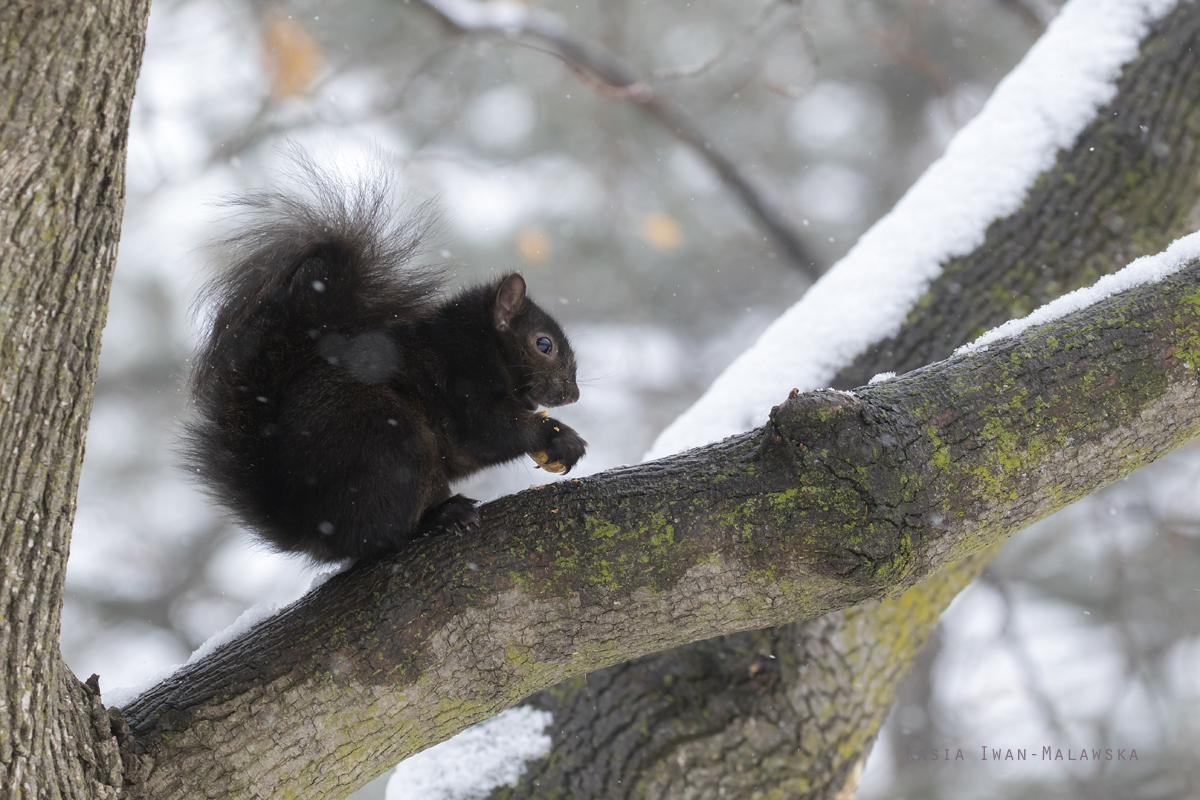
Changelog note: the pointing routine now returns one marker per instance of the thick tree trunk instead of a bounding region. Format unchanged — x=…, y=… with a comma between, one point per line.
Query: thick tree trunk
x=67, y=74
x=1128, y=187
x=840, y=499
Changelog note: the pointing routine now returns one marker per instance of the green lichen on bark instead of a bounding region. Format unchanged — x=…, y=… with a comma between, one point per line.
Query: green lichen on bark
x=647, y=728
x=990, y=441
x=839, y=500
x=1126, y=188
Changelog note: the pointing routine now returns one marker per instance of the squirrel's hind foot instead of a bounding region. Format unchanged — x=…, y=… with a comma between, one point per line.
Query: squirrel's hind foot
x=456, y=515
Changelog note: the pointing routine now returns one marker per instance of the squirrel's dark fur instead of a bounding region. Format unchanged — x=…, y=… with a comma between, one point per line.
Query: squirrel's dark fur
x=338, y=395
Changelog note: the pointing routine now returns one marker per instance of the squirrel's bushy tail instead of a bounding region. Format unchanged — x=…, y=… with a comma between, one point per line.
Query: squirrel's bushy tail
x=337, y=254
x=333, y=261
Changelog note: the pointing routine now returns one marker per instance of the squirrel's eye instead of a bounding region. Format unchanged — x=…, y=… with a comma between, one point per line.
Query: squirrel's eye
x=545, y=345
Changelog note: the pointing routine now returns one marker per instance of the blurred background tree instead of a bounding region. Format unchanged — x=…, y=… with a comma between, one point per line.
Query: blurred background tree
x=668, y=186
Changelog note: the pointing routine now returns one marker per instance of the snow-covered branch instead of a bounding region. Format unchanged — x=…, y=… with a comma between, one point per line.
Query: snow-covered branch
x=1125, y=185
x=985, y=176
x=841, y=497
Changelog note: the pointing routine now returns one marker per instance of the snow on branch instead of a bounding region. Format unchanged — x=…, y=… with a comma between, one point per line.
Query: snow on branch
x=985, y=175
x=1147, y=269
x=840, y=498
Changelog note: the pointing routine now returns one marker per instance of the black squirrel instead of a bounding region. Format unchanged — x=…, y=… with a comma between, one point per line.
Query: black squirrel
x=338, y=395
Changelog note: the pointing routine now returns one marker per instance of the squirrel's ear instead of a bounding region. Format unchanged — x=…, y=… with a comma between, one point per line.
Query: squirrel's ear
x=510, y=298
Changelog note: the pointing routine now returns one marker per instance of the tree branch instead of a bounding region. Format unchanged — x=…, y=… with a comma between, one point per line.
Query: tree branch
x=1127, y=186
x=786, y=710
x=840, y=498
x=609, y=73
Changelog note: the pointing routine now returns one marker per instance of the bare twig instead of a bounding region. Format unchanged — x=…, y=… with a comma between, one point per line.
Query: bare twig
x=1034, y=16
x=749, y=29
x=608, y=73
x=786, y=88
x=1030, y=674
x=902, y=56
x=896, y=41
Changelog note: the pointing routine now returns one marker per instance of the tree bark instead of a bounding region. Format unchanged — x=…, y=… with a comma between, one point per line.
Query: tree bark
x=768, y=713
x=839, y=499
x=67, y=71
x=1127, y=187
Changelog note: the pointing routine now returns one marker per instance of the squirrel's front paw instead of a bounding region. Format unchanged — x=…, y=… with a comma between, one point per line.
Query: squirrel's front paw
x=456, y=515
x=566, y=448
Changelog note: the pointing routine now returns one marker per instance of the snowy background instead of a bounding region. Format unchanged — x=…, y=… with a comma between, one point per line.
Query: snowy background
x=1084, y=632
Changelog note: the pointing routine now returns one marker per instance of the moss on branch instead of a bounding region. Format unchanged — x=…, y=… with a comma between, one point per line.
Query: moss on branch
x=841, y=498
